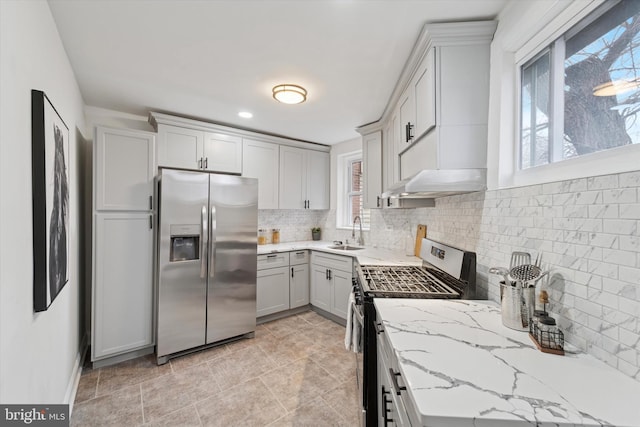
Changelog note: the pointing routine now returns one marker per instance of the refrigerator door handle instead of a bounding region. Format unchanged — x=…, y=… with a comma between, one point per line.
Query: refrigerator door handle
x=212, y=240
x=204, y=234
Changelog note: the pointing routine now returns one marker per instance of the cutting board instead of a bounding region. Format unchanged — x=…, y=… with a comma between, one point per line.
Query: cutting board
x=421, y=232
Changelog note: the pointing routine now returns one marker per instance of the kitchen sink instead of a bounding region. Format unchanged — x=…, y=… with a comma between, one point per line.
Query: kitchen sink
x=346, y=248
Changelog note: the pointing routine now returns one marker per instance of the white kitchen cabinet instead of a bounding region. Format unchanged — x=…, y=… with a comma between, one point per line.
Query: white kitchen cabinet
x=123, y=169
x=261, y=160
x=424, y=87
x=122, y=313
x=320, y=287
x=272, y=291
x=407, y=116
x=331, y=282
x=372, y=156
x=222, y=153
x=304, y=179
x=180, y=147
x=272, y=284
x=299, y=279
x=186, y=148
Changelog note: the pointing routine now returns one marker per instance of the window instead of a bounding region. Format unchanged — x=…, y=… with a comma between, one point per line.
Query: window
x=582, y=94
x=350, y=202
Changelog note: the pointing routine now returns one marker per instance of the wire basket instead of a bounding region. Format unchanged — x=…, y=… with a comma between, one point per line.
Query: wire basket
x=547, y=341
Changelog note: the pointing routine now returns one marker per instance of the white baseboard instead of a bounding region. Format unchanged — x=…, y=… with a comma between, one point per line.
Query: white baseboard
x=74, y=380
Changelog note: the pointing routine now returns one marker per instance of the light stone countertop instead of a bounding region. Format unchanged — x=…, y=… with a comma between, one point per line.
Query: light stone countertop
x=366, y=256
x=462, y=367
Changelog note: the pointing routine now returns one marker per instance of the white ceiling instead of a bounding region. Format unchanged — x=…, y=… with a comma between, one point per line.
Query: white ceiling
x=212, y=59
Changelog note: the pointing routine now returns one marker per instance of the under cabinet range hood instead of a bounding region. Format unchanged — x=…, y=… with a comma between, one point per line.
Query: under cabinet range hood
x=434, y=183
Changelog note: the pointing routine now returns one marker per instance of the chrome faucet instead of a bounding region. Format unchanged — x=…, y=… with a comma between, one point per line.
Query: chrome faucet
x=353, y=230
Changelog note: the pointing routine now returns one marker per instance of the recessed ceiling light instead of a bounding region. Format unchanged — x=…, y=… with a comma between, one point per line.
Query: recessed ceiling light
x=245, y=114
x=289, y=94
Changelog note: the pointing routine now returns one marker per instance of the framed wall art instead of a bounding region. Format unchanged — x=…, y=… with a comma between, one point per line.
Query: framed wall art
x=50, y=195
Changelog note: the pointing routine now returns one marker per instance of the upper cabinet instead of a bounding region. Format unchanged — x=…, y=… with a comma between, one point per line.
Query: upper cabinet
x=291, y=174
x=437, y=117
x=186, y=148
x=124, y=169
x=372, y=156
x=304, y=179
x=260, y=160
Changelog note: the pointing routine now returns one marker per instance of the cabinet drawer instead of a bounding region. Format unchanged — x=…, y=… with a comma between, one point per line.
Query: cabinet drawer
x=298, y=257
x=280, y=259
x=338, y=262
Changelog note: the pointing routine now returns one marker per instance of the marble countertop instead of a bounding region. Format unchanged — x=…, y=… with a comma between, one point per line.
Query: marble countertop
x=462, y=367
x=366, y=256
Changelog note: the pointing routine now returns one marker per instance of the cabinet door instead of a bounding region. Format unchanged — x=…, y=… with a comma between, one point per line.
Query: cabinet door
x=179, y=147
x=272, y=291
x=341, y=288
x=372, y=154
x=425, y=89
x=407, y=117
x=123, y=284
x=124, y=169
x=299, y=285
x=222, y=153
x=260, y=160
x=293, y=178
x=318, y=164
x=320, y=287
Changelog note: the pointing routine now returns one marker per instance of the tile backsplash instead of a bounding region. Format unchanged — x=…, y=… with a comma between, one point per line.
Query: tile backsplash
x=588, y=231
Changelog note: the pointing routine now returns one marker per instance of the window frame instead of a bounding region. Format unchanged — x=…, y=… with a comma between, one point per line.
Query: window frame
x=615, y=160
x=344, y=193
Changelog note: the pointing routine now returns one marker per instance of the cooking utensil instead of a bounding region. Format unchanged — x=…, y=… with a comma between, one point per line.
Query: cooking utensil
x=520, y=258
x=538, y=262
x=421, y=233
x=525, y=273
x=501, y=271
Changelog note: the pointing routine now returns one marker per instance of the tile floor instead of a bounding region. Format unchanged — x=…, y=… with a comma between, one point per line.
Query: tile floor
x=295, y=372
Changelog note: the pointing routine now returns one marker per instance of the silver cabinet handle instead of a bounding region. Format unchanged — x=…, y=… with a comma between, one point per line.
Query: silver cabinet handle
x=204, y=237
x=212, y=240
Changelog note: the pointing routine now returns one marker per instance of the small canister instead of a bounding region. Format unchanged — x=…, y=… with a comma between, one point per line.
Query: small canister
x=275, y=236
x=262, y=236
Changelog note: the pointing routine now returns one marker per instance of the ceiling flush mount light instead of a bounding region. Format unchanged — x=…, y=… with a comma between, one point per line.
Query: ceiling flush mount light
x=615, y=88
x=245, y=114
x=289, y=94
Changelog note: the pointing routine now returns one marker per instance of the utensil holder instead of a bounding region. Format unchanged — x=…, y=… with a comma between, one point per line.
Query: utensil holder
x=517, y=306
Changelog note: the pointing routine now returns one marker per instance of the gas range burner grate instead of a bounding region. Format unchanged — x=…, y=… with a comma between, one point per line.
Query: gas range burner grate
x=409, y=282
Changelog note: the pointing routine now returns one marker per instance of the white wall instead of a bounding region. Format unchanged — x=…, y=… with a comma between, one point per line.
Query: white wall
x=39, y=353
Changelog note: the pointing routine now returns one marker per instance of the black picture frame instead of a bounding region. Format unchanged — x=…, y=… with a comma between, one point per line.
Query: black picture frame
x=50, y=197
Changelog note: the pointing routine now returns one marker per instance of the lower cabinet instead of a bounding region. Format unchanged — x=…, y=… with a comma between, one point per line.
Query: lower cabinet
x=299, y=279
x=122, y=284
x=272, y=284
x=392, y=410
x=331, y=282
x=282, y=282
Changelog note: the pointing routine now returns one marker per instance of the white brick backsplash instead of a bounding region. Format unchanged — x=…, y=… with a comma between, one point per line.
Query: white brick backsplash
x=630, y=339
x=602, y=182
x=588, y=229
x=603, y=211
x=626, y=258
x=620, y=195
x=630, y=179
x=620, y=226
x=628, y=274
x=589, y=198
x=630, y=211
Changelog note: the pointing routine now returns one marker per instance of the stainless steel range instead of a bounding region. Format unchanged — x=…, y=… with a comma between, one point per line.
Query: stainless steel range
x=446, y=272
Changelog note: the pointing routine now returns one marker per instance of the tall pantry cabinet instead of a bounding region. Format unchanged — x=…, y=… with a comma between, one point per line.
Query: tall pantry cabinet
x=122, y=292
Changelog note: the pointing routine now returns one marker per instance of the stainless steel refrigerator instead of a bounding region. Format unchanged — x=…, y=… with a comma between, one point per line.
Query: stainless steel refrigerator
x=206, y=259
